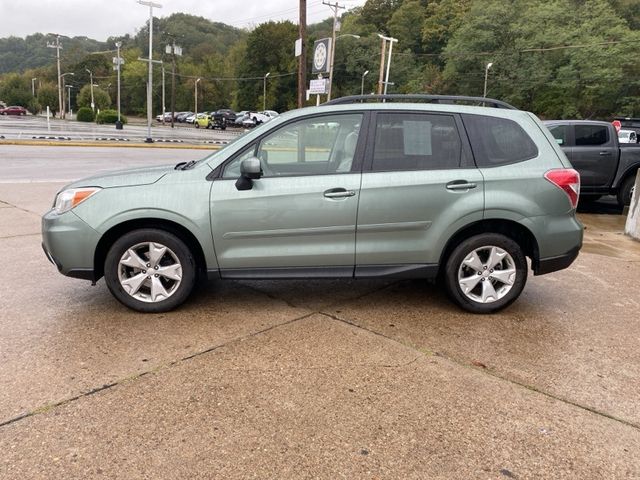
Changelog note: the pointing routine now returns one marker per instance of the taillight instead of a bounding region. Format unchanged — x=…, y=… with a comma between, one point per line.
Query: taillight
x=568, y=180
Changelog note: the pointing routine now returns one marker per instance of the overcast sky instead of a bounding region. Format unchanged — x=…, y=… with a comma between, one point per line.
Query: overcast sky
x=100, y=19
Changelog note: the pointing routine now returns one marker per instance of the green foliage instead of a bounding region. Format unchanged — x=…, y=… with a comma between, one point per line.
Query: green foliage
x=269, y=49
x=85, y=114
x=20, y=54
x=15, y=90
x=33, y=106
x=109, y=116
x=48, y=96
x=101, y=98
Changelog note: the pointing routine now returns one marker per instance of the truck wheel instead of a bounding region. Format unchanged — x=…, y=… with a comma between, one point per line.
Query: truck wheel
x=150, y=270
x=485, y=273
x=624, y=194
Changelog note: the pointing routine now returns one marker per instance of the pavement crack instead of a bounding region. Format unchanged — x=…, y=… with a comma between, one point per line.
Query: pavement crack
x=22, y=235
x=21, y=209
x=487, y=371
x=163, y=366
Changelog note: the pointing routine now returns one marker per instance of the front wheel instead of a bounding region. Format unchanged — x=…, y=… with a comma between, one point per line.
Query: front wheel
x=626, y=190
x=486, y=273
x=150, y=270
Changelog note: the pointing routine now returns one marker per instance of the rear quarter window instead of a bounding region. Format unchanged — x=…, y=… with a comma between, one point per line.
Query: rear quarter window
x=591, y=135
x=498, y=141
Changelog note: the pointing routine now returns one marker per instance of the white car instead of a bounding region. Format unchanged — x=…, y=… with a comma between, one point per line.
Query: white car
x=256, y=118
x=627, y=136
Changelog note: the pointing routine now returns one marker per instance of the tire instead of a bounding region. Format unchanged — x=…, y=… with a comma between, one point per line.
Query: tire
x=473, y=256
x=197, y=125
x=624, y=194
x=124, y=270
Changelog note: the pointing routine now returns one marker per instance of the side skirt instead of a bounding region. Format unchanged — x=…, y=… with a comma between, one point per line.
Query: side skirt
x=426, y=271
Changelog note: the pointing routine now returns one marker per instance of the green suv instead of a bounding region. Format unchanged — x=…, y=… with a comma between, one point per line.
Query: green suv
x=459, y=188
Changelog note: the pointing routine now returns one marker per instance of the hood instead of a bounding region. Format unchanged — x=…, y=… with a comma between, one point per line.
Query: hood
x=125, y=178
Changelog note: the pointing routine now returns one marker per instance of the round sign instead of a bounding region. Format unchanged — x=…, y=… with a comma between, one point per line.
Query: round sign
x=320, y=56
x=617, y=124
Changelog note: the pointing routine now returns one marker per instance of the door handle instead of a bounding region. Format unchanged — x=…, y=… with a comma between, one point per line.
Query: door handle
x=460, y=185
x=602, y=154
x=338, y=193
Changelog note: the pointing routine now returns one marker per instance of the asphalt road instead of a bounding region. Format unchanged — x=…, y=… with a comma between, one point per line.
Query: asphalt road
x=316, y=379
x=30, y=127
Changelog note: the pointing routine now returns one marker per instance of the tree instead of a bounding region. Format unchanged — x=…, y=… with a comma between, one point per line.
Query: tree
x=48, y=96
x=101, y=98
x=269, y=49
x=15, y=90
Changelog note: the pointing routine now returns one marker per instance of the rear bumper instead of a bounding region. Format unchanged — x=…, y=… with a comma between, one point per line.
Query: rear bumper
x=553, y=264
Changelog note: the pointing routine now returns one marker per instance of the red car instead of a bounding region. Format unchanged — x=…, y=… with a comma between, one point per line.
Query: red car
x=14, y=110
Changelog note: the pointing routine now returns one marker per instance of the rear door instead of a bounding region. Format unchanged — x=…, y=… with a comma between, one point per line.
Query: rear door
x=418, y=183
x=594, y=155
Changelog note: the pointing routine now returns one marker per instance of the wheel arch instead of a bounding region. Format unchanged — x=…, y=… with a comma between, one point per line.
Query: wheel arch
x=115, y=232
x=509, y=228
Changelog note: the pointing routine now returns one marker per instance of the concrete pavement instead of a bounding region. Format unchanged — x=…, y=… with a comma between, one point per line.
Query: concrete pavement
x=320, y=379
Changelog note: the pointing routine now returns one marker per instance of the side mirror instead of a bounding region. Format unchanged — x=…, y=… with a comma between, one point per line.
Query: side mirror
x=250, y=169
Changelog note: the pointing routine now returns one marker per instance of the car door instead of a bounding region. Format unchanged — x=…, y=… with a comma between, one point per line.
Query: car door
x=299, y=218
x=418, y=183
x=594, y=155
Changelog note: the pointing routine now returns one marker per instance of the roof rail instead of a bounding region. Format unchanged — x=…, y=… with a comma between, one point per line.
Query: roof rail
x=447, y=99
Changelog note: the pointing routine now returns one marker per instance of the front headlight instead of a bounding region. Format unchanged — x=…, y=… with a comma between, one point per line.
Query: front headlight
x=67, y=199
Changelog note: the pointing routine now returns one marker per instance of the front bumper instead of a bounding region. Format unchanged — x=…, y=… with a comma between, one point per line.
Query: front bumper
x=69, y=243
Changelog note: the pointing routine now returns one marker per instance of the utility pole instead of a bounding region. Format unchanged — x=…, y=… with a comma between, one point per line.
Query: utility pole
x=195, y=96
x=336, y=26
x=173, y=50
x=93, y=105
x=302, y=59
x=58, y=47
x=151, y=6
x=264, y=91
x=382, y=53
x=33, y=86
x=163, y=105
x=118, y=61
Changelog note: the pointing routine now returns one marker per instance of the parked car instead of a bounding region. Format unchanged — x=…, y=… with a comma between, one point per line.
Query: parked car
x=241, y=117
x=605, y=166
x=257, y=118
x=182, y=116
x=228, y=115
x=167, y=117
x=211, y=120
x=13, y=110
x=458, y=192
x=627, y=136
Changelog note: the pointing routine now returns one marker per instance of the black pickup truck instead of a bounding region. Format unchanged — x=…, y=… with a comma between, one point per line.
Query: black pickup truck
x=606, y=166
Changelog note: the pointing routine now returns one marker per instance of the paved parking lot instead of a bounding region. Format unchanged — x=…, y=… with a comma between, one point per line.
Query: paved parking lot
x=321, y=379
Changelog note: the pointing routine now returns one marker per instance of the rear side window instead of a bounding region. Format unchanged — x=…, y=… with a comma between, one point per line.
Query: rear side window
x=591, y=135
x=498, y=141
x=414, y=141
x=561, y=134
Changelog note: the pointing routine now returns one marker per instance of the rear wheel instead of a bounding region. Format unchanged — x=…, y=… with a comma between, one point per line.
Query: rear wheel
x=626, y=189
x=150, y=270
x=486, y=273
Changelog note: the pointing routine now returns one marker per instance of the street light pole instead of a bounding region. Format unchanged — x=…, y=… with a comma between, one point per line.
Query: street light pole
x=61, y=80
x=151, y=5
x=69, y=87
x=93, y=105
x=486, y=76
x=264, y=91
x=163, y=104
x=362, y=83
x=391, y=41
x=196, y=98
x=118, y=63
x=33, y=86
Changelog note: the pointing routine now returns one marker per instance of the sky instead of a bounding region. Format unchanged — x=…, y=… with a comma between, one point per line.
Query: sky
x=100, y=19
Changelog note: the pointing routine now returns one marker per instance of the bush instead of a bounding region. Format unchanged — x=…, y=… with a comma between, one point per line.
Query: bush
x=33, y=106
x=85, y=114
x=110, y=116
